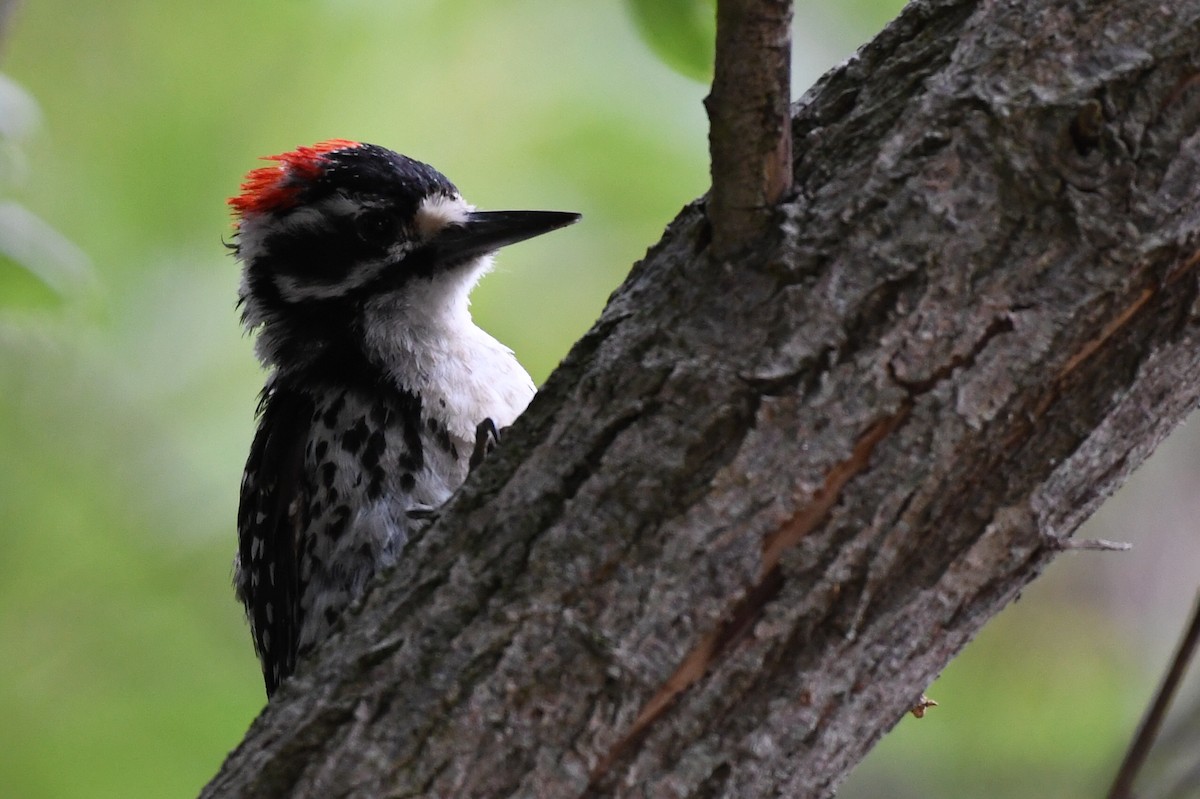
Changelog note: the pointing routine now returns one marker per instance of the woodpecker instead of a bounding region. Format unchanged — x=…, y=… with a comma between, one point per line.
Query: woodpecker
x=381, y=393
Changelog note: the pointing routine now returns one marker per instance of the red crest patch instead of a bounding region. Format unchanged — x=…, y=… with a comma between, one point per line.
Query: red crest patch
x=270, y=188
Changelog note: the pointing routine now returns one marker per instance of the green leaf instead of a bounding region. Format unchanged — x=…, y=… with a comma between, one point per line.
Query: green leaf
x=680, y=32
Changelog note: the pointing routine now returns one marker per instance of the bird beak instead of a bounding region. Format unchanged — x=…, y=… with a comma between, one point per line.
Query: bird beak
x=488, y=231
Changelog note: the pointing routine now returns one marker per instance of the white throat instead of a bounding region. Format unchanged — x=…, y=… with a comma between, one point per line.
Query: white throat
x=426, y=340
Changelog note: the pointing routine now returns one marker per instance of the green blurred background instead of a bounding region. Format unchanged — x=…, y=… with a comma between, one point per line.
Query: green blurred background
x=127, y=389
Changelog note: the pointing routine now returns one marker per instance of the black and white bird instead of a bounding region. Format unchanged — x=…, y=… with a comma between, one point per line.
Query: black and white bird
x=381, y=394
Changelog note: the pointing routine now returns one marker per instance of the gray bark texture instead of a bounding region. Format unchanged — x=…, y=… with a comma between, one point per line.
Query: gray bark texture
x=769, y=496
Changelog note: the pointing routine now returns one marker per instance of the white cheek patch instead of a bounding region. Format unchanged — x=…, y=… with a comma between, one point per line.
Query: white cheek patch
x=253, y=231
x=292, y=289
x=316, y=216
x=438, y=211
x=253, y=235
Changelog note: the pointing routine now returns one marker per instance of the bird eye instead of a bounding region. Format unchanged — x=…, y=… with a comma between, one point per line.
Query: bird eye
x=375, y=227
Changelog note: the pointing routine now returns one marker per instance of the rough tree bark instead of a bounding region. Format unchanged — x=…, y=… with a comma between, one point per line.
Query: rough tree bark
x=765, y=500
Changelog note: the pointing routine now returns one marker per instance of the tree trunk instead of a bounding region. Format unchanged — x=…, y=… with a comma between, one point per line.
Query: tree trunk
x=770, y=495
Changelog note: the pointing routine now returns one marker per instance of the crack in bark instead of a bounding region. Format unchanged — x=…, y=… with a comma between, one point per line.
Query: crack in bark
x=1184, y=266
x=998, y=326
x=812, y=514
x=1089, y=348
x=751, y=605
x=1117, y=324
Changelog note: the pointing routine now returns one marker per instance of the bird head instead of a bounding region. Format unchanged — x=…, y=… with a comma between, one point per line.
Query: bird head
x=331, y=235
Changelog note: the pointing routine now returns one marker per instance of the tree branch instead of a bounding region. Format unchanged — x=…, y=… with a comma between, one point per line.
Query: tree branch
x=750, y=136
x=757, y=509
x=1139, y=749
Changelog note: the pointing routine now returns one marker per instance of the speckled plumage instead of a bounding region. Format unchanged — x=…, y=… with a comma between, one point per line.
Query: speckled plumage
x=358, y=263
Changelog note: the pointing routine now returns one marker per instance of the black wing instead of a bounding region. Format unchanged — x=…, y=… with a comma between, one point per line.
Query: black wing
x=270, y=523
